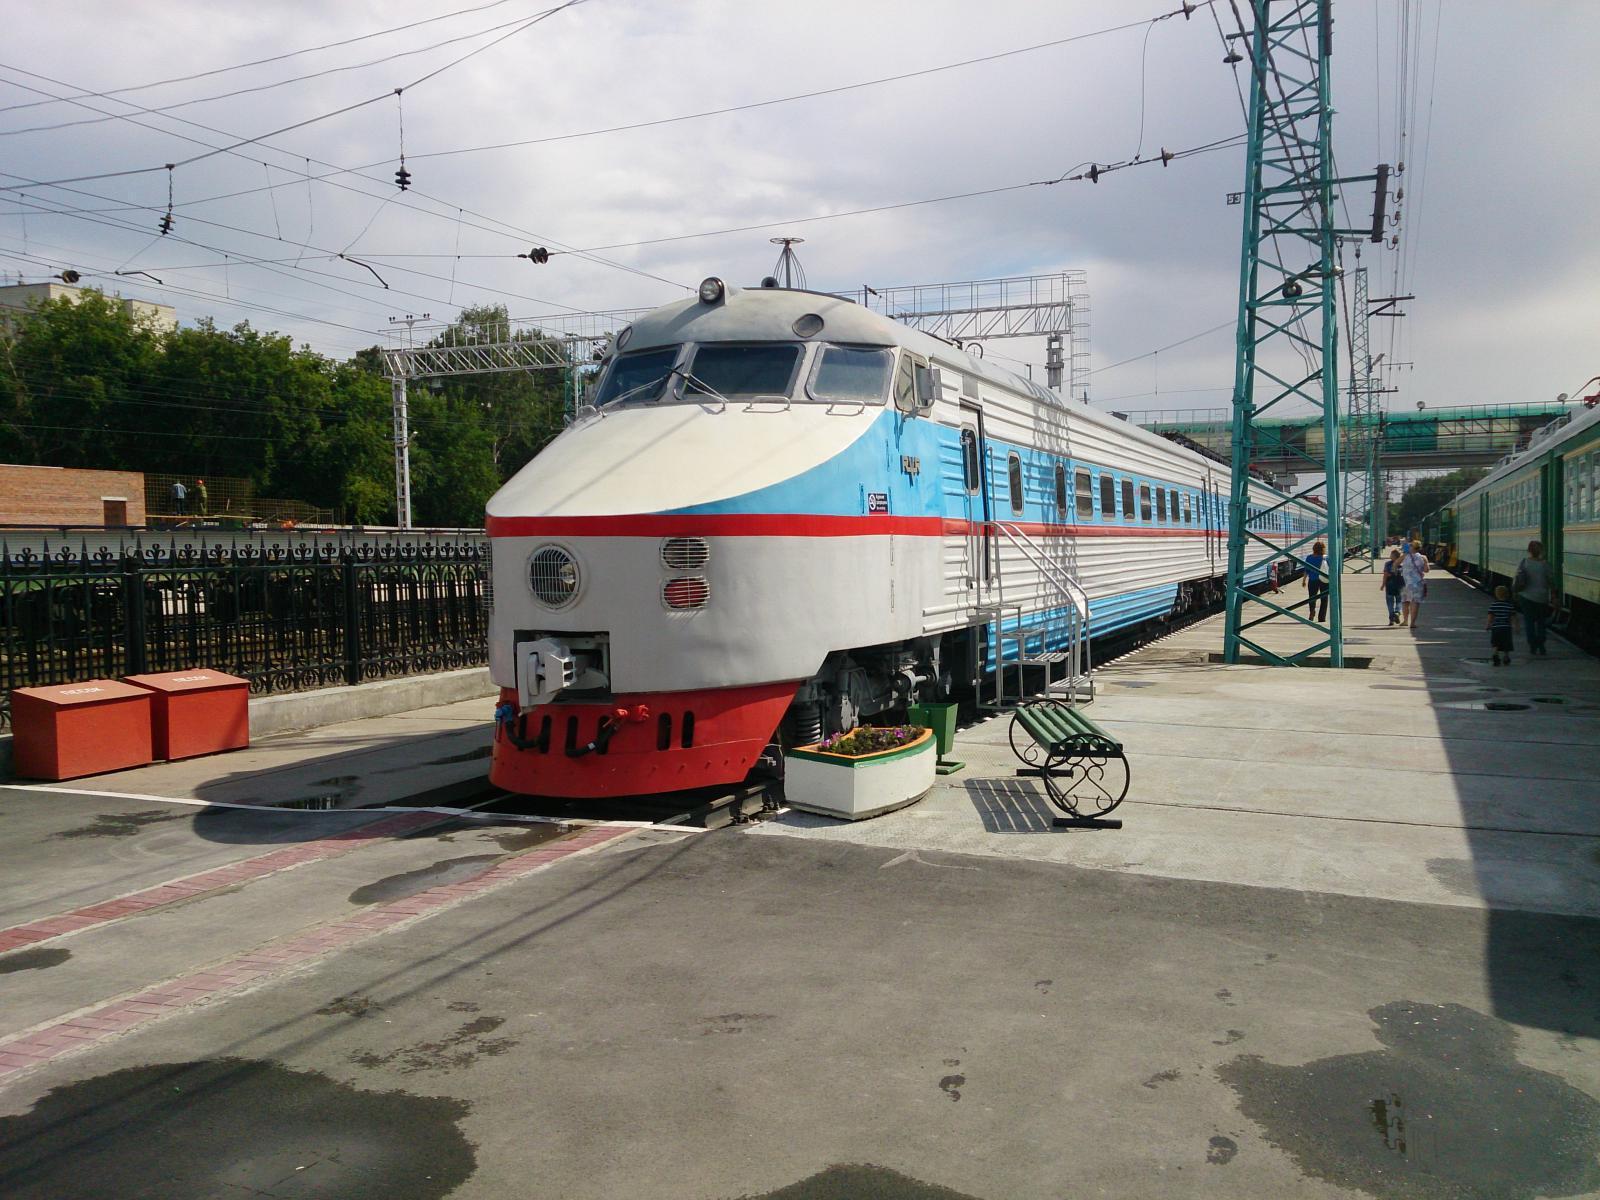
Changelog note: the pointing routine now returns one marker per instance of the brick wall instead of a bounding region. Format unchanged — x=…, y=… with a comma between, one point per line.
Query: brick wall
x=65, y=496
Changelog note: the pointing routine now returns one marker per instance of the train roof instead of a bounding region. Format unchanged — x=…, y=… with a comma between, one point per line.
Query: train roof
x=769, y=314
x=1577, y=423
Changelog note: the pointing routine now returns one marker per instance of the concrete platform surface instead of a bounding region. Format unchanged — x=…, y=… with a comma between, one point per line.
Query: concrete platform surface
x=1344, y=947
x=1395, y=781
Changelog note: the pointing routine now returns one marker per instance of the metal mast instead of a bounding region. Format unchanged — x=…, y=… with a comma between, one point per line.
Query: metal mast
x=1287, y=333
x=1362, y=442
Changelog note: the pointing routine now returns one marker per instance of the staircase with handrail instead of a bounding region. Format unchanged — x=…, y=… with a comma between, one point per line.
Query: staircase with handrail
x=1061, y=640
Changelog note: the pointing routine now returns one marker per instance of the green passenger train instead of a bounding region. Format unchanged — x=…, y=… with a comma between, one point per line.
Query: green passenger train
x=1549, y=492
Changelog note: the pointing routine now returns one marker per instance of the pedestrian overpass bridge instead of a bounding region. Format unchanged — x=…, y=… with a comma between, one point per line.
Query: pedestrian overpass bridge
x=1474, y=435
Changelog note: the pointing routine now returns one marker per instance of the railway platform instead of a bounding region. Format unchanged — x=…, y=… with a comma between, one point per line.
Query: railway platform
x=1426, y=775
x=1345, y=945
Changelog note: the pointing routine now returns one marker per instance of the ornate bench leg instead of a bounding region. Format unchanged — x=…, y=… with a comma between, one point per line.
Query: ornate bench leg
x=1097, y=785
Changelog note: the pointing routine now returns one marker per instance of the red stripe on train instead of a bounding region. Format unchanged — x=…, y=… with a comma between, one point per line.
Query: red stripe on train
x=794, y=525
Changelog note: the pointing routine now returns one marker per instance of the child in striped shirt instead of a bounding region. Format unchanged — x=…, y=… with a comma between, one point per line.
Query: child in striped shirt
x=1499, y=626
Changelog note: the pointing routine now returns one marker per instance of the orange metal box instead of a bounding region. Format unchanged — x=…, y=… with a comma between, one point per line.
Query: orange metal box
x=196, y=712
x=79, y=729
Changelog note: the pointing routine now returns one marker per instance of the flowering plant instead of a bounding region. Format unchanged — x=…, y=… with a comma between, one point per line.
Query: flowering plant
x=870, y=739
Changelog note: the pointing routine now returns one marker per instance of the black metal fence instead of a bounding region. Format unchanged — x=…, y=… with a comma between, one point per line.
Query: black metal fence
x=283, y=617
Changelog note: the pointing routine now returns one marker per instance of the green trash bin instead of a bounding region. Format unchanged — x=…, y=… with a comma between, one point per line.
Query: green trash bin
x=941, y=718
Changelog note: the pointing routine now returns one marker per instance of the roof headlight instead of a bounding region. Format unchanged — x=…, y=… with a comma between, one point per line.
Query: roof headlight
x=624, y=337
x=808, y=325
x=712, y=290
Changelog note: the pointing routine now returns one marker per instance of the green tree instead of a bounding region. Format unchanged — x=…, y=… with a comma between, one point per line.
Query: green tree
x=1428, y=494
x=86, y=385
x=72, y=380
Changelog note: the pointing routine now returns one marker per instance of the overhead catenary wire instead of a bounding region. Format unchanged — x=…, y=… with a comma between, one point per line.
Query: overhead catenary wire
x=258, y=62
x=320, y=117
x=326, y=178
x=1184, y=10
x=246, y=91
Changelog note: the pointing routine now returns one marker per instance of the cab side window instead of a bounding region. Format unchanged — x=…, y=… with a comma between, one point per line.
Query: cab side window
x=969, y=460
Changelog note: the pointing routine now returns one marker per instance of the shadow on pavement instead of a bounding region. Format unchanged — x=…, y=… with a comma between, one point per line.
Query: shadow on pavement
x=1531, y=830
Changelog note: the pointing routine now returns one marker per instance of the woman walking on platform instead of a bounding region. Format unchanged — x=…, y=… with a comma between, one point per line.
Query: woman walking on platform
x=1533, y=588
x=1393, y=584
x=1413, y=566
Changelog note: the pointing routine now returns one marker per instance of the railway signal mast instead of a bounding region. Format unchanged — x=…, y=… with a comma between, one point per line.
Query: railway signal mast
x=1287, y=341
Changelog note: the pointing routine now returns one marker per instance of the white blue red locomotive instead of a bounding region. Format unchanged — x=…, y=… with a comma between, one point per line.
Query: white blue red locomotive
x=784, y=513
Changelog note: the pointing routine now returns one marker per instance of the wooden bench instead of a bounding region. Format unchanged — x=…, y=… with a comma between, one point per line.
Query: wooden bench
x=1084, y=770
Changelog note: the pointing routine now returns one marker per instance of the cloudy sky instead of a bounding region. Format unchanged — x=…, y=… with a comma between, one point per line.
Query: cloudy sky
x=1497, y=235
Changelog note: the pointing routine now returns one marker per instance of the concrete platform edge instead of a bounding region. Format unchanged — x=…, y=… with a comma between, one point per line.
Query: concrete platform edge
x=329, y=706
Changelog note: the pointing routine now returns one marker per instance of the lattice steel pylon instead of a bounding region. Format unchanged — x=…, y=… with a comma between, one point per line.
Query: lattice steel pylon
x=1287, y=332
x=1361, y=423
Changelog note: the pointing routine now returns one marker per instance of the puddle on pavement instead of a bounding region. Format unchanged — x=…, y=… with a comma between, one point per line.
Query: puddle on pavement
x=122, y=824
x=1134, y=682
x=409, y=883
x=513, y=840
x=1444, y=1112
x=34, y=960
x=452, y=1052
x=1486, y=705
x=232, y=1127
x=865, y=1182
x=1550, y=699
x=337, y=791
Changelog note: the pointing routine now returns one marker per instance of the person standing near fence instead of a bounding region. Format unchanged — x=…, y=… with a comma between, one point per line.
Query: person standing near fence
x=1393, y=584
x=180, y=498
x=1533, y=587
x=1317, y=581
x=201, y=498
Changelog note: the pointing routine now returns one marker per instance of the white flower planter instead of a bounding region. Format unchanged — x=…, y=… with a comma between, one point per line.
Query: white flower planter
x=838, y=786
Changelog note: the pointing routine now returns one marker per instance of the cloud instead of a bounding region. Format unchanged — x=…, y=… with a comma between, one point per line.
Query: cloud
x=1497, y=241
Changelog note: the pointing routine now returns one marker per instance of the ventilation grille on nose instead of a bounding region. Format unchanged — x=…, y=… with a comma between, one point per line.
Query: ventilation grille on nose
x=685, y=553
x=686, y=591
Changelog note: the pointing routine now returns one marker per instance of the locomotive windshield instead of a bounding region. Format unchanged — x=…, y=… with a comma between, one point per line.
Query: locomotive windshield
x=851, y=374
x=750, y=371
x=742, y=370
x=638, y=376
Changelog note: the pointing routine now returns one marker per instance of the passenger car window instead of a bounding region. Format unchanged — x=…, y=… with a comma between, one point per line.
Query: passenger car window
x=969, y=460
x=1014, y=472
x=1108, y=496
x=1061, y=489
x=1127, y=499
x=1085, y=495
x=1144, y=501
x=1161, y=504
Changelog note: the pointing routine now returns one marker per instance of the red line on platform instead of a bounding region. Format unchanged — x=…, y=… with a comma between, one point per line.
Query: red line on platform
x=187, y=887
x=96, y=1024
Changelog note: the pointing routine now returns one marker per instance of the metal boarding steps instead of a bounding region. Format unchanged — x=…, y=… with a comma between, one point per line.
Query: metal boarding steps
x=1041, y=642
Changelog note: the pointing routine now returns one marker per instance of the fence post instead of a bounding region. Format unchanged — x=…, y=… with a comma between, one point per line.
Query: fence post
x=352, y=622
x=133, y=603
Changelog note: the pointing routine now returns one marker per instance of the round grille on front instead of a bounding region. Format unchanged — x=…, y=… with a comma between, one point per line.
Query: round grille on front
x=685, y=553
x=553, y=575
